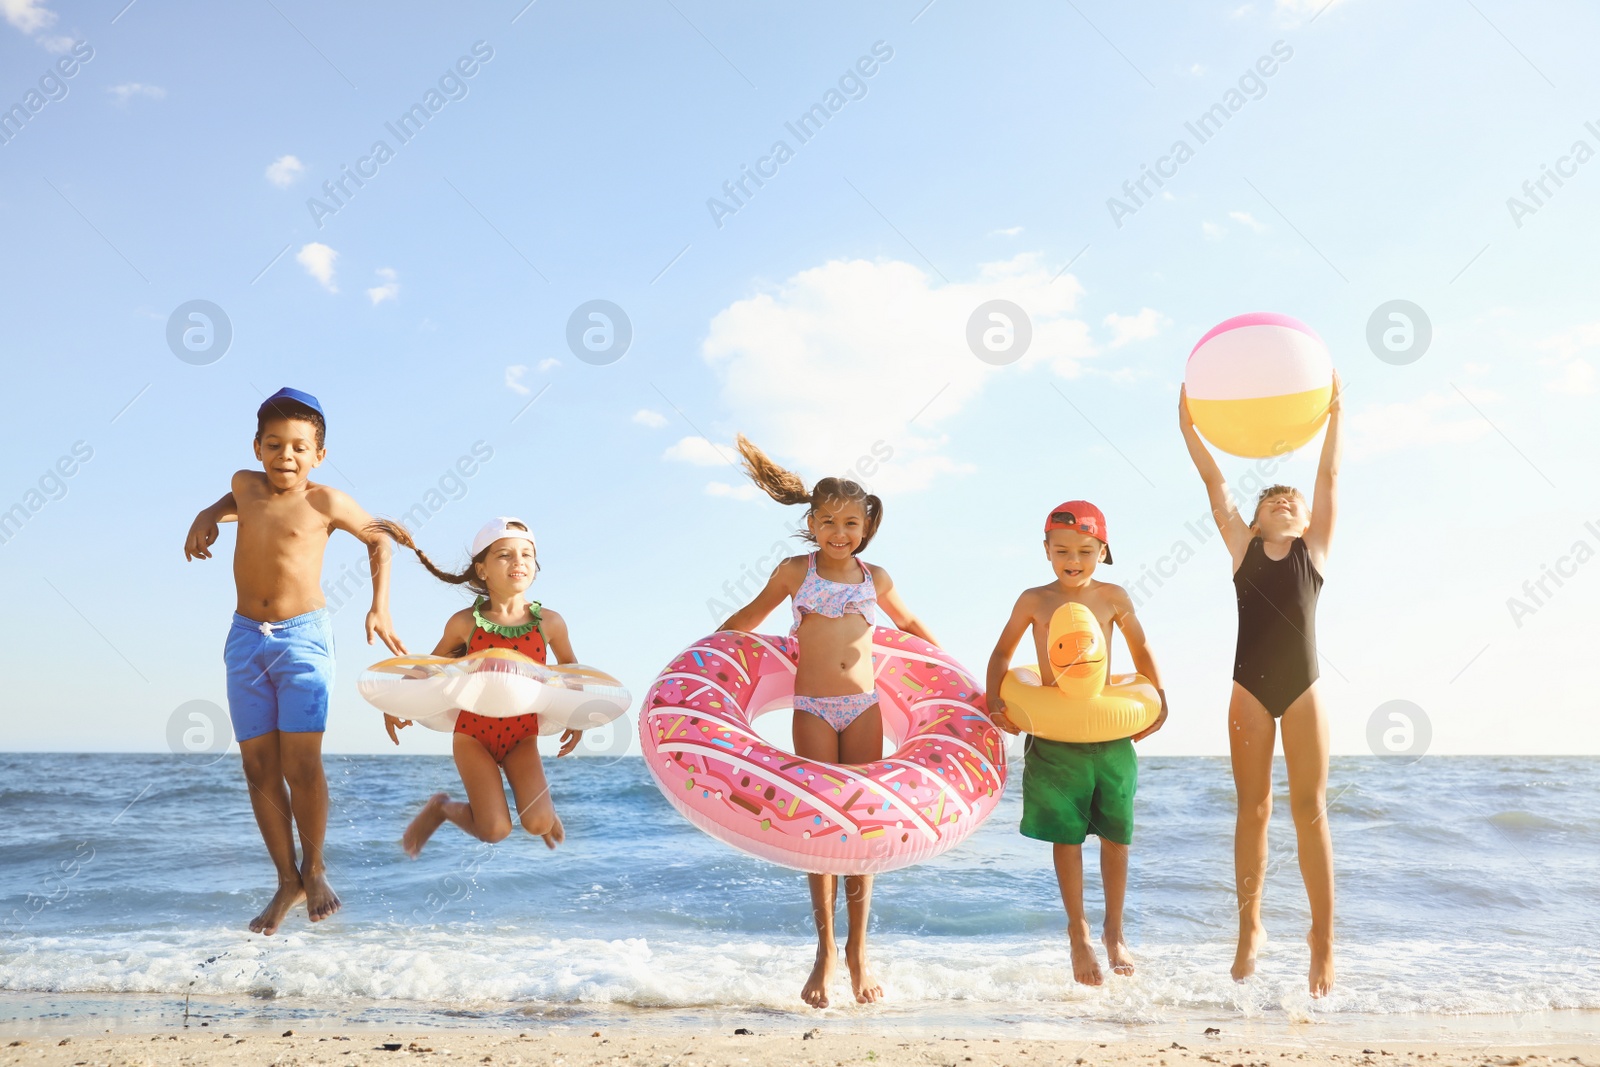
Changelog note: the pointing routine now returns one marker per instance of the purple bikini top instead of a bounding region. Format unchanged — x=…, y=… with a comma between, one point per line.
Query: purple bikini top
x=832, y=600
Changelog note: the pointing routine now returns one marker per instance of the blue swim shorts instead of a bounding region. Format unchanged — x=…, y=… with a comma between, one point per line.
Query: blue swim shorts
x=279, y=674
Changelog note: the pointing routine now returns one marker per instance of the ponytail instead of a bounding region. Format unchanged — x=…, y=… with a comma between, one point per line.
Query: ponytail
x=402, y=537
x=780, y=483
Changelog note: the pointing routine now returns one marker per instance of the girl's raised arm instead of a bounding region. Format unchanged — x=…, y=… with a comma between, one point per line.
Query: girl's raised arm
x=1325, y=497
x=786, y=578
x=1235, y=531
x=889, y=600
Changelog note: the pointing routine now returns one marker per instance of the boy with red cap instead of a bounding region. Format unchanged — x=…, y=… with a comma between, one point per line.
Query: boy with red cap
x=1072, y=790
x=279, y=652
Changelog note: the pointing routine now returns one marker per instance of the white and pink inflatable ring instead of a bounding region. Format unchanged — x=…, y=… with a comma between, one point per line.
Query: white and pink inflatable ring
x=944, y=778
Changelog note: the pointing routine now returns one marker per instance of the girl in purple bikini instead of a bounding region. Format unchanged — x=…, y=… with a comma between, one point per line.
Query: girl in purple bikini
x=1278, y=561
x=836, y=717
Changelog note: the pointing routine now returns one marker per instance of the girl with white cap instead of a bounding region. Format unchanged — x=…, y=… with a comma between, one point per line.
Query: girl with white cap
x=504, y=563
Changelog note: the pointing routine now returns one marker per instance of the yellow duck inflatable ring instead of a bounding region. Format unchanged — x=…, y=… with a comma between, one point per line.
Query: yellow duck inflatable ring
x=1084, y=704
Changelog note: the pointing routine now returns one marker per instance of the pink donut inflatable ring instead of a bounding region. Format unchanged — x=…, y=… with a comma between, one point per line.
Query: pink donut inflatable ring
x=944, y=778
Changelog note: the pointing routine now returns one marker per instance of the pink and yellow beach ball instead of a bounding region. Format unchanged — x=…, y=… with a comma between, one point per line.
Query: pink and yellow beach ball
x=1259, y=384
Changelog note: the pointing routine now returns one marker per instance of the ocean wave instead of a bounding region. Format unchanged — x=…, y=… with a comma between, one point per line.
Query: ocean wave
x=472, y=967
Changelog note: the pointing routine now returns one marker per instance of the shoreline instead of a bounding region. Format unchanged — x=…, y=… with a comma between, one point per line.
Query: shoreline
x=790, y=1044
x=38, y=1017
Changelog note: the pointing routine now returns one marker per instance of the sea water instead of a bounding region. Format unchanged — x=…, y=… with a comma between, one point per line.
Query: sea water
x=1467, y=889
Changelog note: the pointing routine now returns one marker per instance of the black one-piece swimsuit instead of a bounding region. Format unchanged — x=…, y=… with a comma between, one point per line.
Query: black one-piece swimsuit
x=1276, y=657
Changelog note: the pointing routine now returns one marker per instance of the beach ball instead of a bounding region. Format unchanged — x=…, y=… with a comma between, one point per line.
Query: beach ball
x=1259, y=384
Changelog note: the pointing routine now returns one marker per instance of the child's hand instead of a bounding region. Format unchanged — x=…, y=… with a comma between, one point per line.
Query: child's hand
x=379, y=624
x=1160, y=719
x=998, y=716
x=392, y=724
x=569, y=741
x=1336, y=402
x=1185, y=421
x=202, y=533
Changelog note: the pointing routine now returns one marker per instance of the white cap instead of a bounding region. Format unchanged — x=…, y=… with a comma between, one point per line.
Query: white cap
x=495, y=529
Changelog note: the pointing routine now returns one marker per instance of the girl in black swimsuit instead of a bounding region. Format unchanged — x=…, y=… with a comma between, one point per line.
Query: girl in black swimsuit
x=1278, y=559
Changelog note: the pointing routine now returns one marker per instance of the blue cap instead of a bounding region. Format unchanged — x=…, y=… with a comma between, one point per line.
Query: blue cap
x=268, y=407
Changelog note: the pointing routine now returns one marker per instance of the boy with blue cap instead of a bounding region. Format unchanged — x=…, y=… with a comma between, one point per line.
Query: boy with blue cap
x=279, y=652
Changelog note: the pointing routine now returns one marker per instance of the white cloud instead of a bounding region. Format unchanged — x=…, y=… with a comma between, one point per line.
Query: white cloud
x=128, y=90
x=1576, y=378
x=1249, y=220
x=1442, y=418
x=653, y=419
x=1141, y=327
x=835, y=359
x=1242, y=10
x=514, y=375
x=1009, y=231
x=1213, y=231
x=285, y=171
x=1573, y=374
x=389, y=290
x=57, y=44
x=547, y=365
x=701, y=453
x=29, y=16
x=1197, y=69
x=317, y=258
x=745, y=491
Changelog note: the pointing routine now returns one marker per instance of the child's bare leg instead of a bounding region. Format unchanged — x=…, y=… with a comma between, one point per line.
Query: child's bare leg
x=485, y=814
x=861, y=742
x=823, y=901
x=814, y=739
x=308, y=799
x=269, y=799
x=1114, y=876
x=1305, y=750
x=525, y=772
x=1069, y=875
x=858, y=905
x=1251, y=736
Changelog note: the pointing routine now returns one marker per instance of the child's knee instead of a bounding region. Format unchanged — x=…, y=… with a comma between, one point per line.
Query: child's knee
x=260, y=765
x=302, y=772
x=1308, y=807
x=496, y=831
x=538, y=823
x=1256, y=808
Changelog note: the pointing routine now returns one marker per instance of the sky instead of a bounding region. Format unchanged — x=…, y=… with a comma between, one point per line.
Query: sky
x=435, y=293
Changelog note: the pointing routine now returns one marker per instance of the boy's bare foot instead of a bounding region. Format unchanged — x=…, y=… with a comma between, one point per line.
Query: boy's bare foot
x=321, y=900
x=1117, y=954
x=815, y=992
x=1251, y=940
x=865, y=987
x=1321, y=977
x=288, y=895
x=429, y=819
x=1085, y=964
x=557, y=834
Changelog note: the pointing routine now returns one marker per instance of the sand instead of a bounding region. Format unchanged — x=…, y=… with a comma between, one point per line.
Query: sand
x=783, y=1047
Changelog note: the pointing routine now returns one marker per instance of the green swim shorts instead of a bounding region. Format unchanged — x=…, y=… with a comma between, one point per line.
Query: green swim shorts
x=1072, y=790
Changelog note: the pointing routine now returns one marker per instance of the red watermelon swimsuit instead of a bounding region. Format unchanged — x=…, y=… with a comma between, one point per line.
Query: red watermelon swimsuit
x=500, y=736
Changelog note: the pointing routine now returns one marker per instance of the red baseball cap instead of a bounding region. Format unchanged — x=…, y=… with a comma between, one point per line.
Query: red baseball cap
x=1082, y=516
